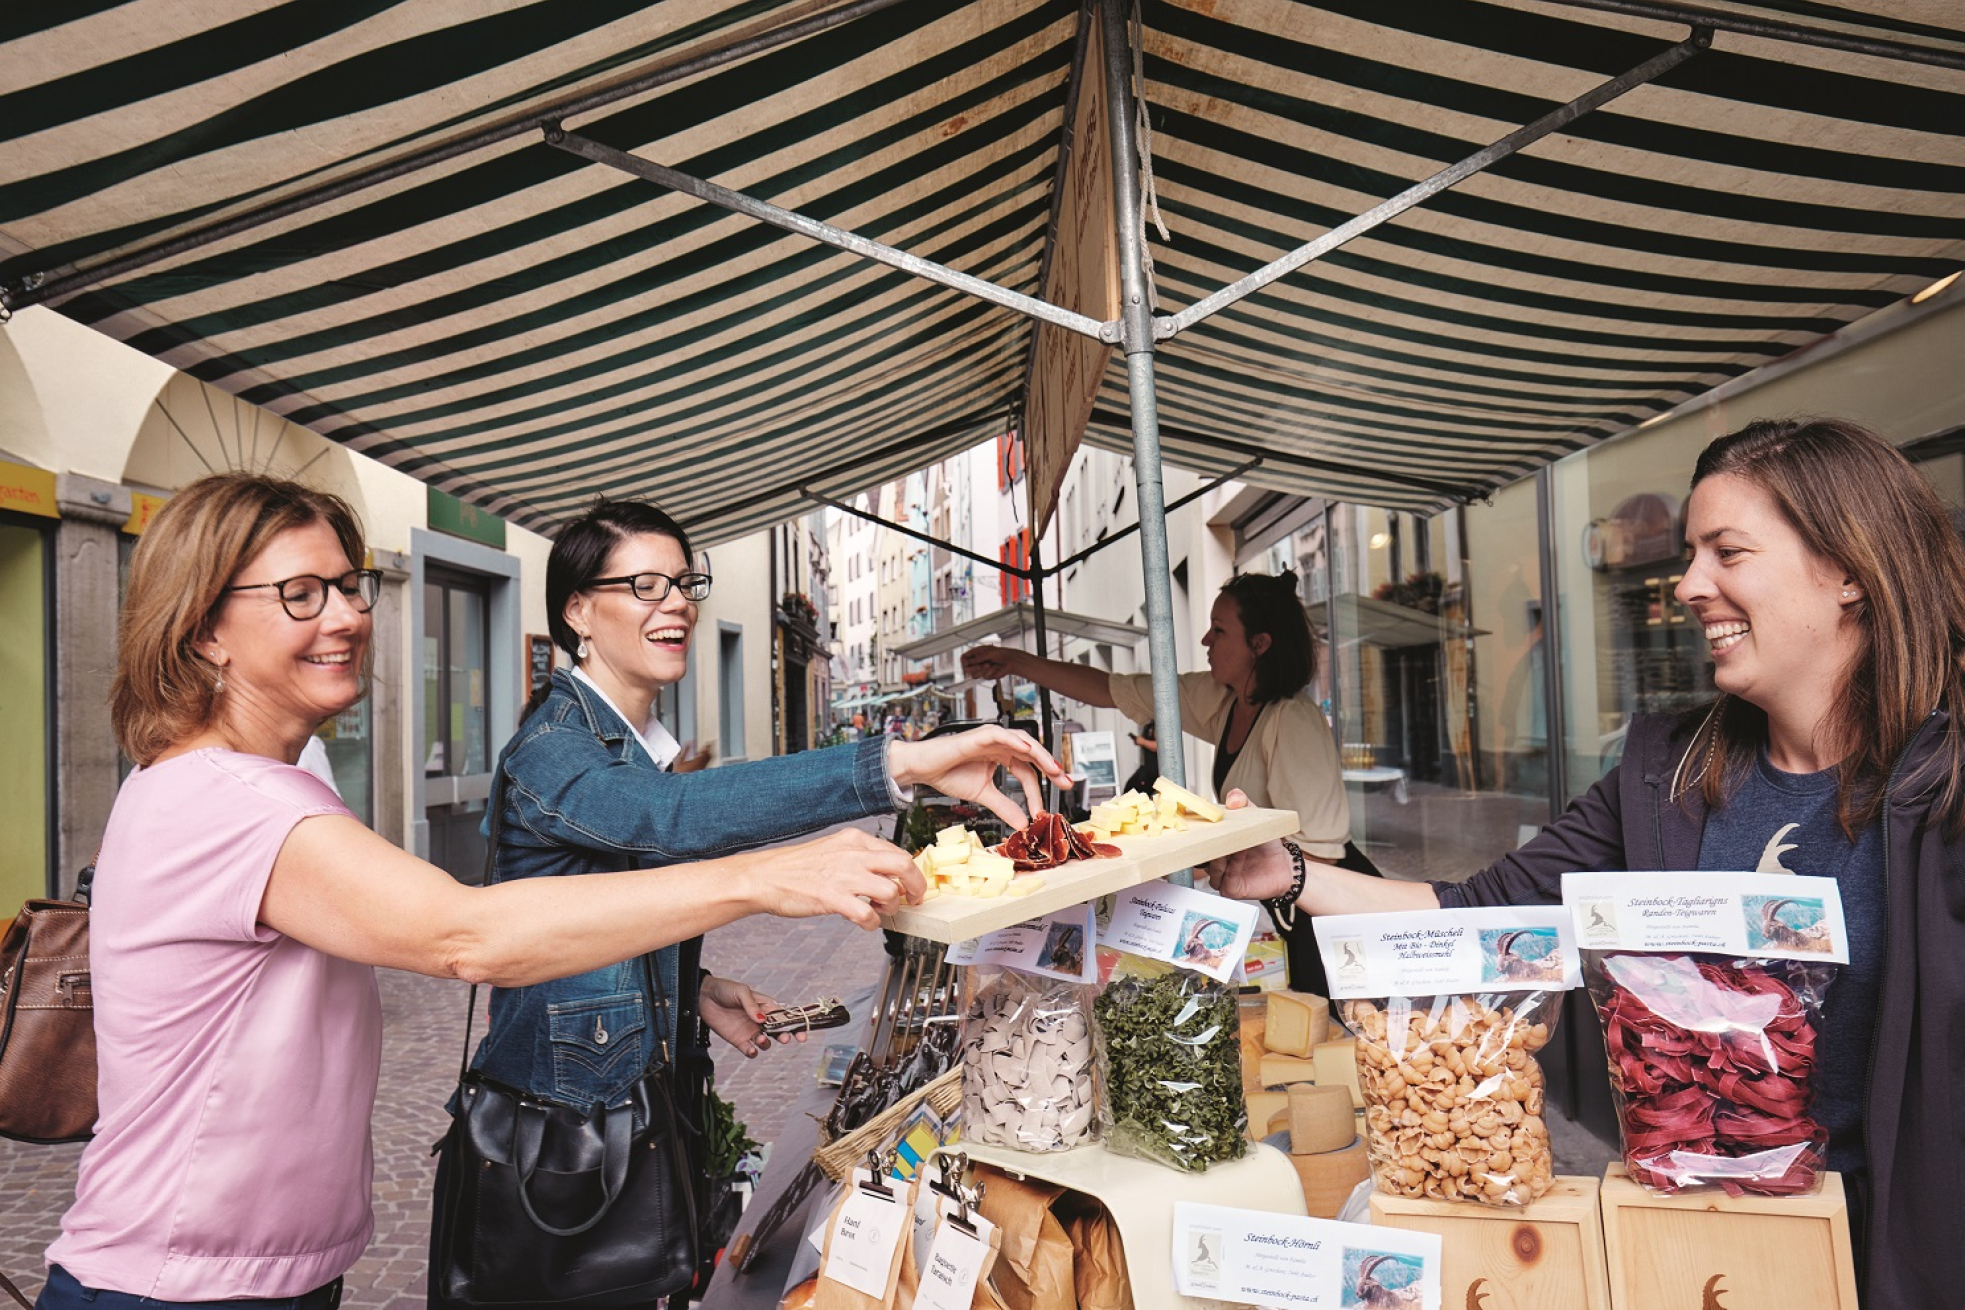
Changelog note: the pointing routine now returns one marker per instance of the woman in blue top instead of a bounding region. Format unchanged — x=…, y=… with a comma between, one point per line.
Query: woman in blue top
x=1831, y=587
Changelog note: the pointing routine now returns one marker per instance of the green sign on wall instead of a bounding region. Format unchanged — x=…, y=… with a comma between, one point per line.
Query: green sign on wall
x=449, y=514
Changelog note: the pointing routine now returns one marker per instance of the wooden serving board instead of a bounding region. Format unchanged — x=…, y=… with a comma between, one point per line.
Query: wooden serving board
x=1142, y=859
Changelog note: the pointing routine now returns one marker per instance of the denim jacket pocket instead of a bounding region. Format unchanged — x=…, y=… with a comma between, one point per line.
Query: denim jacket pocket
x=599, y=1046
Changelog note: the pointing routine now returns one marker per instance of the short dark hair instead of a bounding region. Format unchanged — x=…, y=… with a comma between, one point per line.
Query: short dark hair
x=581, y=549
x=1268, y=606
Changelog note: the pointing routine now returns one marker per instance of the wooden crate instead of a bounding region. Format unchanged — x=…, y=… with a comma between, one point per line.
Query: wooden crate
x=1545, y=1256
x=1742, y=1253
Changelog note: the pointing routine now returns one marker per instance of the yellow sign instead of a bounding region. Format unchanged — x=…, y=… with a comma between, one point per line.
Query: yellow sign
x=142, y=509
x=27, y=490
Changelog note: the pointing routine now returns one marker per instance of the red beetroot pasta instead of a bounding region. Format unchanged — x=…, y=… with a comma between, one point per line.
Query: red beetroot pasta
x=1712, y=1061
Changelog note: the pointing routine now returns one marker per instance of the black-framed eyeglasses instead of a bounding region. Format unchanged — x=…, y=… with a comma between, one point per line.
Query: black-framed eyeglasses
x=306, y=596
x=655, y=586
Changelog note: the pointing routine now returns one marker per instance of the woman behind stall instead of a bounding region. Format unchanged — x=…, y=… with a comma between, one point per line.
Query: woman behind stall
x=1272, y=743
x=1831, y=587
x=240, y=909
x=583, y=788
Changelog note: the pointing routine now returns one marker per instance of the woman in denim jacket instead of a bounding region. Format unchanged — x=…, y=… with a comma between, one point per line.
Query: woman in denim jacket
x=585, y=787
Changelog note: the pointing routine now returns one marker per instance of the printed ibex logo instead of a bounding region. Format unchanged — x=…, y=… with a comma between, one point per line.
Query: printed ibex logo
x=1709, y=1299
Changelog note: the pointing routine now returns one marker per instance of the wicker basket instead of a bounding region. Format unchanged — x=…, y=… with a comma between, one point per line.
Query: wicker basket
x=839, y=1157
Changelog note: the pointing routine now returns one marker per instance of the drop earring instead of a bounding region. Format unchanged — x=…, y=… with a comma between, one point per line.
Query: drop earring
x=218, y=683
x=581, y=653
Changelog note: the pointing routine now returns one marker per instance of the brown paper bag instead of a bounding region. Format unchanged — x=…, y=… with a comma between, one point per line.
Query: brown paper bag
x=834, y=1295
x=983, y=1299
x=1099, y=1264
x=1033, y=1270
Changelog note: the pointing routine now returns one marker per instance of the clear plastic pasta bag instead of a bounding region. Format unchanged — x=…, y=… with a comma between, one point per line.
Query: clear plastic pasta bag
x=1027, y=1062
x=1712, y=1063
x=1453, y=1094
x=1170, y=1064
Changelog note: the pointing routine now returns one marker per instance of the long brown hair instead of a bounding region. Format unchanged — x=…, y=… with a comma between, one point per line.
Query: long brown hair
x=164, y=689
x=1856, y=501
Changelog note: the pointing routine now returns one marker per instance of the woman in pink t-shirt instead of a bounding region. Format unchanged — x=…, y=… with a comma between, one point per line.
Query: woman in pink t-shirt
x=240, y=909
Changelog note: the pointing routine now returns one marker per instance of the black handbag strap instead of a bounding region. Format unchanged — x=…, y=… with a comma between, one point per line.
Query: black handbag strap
x=617, y=1128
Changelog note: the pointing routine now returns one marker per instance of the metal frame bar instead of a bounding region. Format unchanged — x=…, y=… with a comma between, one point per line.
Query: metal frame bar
x=851, y=242
x=1137, y=337
x=36, y=288
x=1267, y=456
x=918, y=535
x=1556, y=725
x=1480, y=160
x=1127, y=531
x=1792, y=33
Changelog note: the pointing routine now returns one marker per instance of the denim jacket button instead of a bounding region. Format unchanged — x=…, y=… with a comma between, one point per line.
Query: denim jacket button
x=600, y=1033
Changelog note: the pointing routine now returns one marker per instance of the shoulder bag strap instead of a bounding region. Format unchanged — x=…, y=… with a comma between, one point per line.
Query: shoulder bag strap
x=490, y=861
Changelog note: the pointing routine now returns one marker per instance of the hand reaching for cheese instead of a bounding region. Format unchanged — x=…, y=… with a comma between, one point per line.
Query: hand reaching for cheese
x=960, y=865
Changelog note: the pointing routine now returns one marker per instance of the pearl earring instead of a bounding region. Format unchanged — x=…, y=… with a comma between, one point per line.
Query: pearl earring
x=218, y=683
x=581, y=653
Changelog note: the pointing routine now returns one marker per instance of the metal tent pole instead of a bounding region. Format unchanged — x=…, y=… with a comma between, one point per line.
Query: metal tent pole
x=1136, y=338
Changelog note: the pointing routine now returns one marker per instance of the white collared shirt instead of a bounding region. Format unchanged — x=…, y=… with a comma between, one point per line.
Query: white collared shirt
x=655, y=739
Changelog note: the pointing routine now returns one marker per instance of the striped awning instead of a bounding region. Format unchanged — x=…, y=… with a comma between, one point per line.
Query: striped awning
x=521, y=328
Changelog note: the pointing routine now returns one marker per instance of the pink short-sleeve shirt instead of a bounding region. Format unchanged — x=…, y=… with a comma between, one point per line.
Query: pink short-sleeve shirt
x=237, y=1067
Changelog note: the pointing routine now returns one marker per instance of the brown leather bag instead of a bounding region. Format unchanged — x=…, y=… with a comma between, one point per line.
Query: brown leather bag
x=47, y=1023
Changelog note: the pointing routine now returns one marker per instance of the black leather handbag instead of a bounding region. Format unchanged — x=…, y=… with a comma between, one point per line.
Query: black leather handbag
x=540, y=1203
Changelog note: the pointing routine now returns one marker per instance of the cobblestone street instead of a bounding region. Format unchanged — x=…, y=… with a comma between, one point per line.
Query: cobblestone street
x=423, y=1033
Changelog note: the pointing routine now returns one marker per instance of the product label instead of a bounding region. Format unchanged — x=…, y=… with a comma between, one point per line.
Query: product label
x=1776, y=916
x=1264, y=1259
x=1527, y=948
x=1182, y=925
x=865, y=1238
x=1058, y=945
x=952, y=1266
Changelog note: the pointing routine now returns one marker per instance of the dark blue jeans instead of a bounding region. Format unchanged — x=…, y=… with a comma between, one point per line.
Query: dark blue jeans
x=64, y=1293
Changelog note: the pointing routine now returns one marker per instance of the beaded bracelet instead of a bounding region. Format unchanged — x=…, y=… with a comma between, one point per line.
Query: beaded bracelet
x=1283, y=908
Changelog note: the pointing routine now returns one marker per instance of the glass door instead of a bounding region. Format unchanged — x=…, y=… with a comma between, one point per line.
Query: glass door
x=456, y=717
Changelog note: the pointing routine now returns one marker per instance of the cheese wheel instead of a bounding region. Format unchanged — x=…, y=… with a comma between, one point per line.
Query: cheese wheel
x=1329, y=1178
x=1320, y=1119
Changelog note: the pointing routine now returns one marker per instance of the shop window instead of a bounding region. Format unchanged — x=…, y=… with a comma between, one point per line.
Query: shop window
x=730, y=690
x=1431, y=676
x=1627, y=646
x=1015, y=554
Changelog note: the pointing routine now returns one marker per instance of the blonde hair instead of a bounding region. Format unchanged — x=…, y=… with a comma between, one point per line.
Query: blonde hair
x=164, y=690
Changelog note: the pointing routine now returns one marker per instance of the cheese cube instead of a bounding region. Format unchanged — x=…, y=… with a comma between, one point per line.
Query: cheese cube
x=1295, y=1023
x=1282, y=1070
x=1264, y=1106
x=1188, y=801
x=1337, y=1064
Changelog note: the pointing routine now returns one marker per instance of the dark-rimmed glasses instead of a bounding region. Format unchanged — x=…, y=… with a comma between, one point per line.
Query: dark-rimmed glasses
x=305, y=596
x=655, y=586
